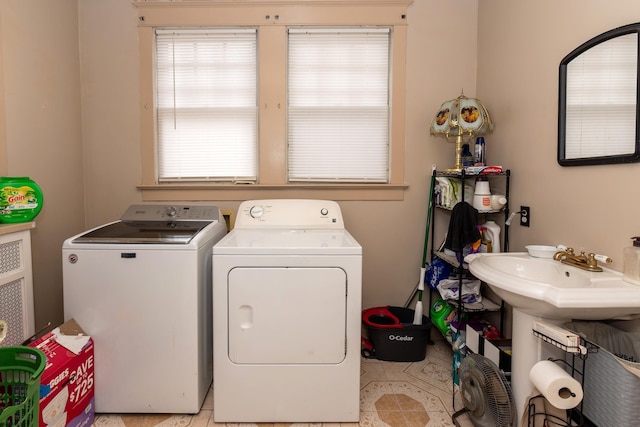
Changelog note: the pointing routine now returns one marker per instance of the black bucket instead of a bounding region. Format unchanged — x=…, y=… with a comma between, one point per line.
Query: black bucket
x=393, y=335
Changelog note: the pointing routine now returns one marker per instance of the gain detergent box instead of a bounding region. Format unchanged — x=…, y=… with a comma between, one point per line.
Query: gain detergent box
x=66, y=385
x=20, y=199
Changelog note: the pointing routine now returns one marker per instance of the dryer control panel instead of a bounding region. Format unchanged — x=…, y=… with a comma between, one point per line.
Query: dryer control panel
x=290, y=214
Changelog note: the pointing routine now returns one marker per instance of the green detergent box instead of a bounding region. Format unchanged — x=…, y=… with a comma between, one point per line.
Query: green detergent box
x=20, y=199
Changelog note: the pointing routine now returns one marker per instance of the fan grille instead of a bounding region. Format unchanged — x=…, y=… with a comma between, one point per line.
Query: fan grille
x=480, y=378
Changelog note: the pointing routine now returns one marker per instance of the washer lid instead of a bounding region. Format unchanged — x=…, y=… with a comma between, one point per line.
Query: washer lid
x=284, y=242
x=128, y=233
x=154, y=223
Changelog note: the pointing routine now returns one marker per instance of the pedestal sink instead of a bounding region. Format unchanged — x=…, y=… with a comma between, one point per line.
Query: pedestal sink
x=547, y=290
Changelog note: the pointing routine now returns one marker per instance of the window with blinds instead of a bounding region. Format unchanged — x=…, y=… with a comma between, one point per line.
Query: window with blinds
x=601, y=99
x=206, y=104
x=338, y=110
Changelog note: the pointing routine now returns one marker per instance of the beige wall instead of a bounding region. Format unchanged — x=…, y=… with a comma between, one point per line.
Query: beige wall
x=74, y=117
x=110, y=118
x=521, y=44
x=391, y=233
x=43, y=130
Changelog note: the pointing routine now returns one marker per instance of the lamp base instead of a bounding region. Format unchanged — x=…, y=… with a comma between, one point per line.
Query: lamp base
x=457, y=166
x=454, y=169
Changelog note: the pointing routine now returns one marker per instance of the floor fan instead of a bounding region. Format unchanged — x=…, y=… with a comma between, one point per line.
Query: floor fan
x=486, y=394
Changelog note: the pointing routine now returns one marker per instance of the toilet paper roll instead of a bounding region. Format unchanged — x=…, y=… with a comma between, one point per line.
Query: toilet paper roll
x=558, y=387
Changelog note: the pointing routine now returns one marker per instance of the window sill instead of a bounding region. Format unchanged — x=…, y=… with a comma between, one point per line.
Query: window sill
x=206, y=192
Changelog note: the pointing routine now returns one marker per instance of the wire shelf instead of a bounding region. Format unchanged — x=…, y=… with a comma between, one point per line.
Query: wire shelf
x=568, y=349
x=583, y=349
x=574, y=416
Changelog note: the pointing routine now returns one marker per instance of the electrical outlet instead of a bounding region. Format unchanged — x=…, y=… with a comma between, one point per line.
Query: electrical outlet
x=525, y=216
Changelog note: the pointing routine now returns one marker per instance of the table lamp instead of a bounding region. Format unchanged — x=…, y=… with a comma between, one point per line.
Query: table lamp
x=459, y=120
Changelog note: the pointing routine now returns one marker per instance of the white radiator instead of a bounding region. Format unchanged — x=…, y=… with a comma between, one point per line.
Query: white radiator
x=16, y=287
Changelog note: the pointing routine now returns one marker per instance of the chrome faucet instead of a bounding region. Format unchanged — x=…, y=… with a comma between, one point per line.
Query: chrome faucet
x=584, y=261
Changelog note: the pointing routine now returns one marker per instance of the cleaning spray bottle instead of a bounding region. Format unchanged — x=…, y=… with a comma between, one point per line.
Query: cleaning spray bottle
x=485, y=243
x=631, y=263
x=492, y=233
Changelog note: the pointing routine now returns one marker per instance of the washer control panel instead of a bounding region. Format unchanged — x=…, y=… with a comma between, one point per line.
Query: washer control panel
x=289, y=214
x=150, y=213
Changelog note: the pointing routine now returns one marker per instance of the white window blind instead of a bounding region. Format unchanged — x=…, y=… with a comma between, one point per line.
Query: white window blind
x=206, y=104
x=338, y=104
x=601, y=100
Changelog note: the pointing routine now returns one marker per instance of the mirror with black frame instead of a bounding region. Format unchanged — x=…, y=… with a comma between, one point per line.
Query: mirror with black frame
x=598, y=115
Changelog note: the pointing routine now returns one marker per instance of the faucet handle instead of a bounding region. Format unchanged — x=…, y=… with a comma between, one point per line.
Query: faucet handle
x=602, y=258
x=592, y=260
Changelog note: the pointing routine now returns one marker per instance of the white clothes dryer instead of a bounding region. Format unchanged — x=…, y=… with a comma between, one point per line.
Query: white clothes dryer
x=287, y=283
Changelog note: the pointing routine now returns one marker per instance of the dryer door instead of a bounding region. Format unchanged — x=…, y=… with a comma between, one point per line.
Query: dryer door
x=280, y=315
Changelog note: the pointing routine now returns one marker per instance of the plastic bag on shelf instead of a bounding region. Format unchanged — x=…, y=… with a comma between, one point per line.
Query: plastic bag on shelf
x=449, y=289
x=437, y=271
x=448, y=192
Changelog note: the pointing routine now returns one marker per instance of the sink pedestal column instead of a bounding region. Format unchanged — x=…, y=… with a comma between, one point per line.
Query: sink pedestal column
x=525, y=354
x=526, y=351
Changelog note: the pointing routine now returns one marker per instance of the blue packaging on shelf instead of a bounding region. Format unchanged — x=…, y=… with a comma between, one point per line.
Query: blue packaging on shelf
x=437, y=271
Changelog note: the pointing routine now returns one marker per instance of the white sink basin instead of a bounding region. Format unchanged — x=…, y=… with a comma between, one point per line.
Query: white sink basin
x=549, y=289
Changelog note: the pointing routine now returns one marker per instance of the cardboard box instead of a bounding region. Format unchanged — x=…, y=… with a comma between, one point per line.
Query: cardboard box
x=66, y=385
x=498, y=351
x=472, y=337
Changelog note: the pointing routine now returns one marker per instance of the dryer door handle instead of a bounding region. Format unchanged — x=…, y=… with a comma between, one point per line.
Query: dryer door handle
x=246, y=317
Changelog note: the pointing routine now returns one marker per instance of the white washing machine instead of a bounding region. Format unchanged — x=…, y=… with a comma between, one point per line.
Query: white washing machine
x=141, y=287
x=287, y=284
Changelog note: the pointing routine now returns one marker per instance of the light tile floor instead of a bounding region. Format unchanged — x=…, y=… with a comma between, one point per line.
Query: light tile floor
x=396, y=394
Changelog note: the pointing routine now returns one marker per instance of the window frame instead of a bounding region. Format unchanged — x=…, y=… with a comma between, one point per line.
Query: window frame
x=186, y=143
x=338, y=109
x=272, y=18
x=566, y=119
